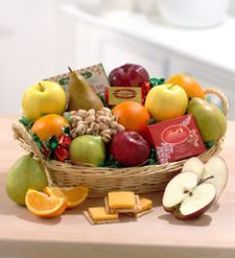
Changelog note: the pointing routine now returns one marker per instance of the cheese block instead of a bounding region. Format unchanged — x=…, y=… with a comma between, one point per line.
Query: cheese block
x=121, y=200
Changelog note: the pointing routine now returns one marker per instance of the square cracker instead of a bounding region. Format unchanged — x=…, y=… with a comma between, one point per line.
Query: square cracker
x=146, y=206
x=98, y=215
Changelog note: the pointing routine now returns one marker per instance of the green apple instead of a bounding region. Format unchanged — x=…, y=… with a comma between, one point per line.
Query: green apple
x=45, y=97
x=87, y=149
x=209, y=118
x=166, y=101
x=26, y=173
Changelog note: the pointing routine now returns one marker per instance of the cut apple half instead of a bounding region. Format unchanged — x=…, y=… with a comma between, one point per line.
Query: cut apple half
x=178, y=188
x=197, y=202
x=187, y=197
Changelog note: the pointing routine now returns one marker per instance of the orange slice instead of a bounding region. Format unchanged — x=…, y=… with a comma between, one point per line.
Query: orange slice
x=43, y=205
x=73, y=195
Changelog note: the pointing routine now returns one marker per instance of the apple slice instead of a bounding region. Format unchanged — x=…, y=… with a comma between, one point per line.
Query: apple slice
x=217, y=168
x=194, y=165
x=186, y=197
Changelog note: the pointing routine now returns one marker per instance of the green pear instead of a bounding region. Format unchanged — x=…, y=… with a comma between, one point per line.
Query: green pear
x=26, y=173
x=82, y=95
x=87, y=149
x=209, y=118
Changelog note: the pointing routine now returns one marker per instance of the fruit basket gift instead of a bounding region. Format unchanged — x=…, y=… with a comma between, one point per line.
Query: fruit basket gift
x=124, y=132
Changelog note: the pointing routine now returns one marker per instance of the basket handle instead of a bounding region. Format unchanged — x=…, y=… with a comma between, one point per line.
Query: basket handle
x=223, y=98
x=26, y=141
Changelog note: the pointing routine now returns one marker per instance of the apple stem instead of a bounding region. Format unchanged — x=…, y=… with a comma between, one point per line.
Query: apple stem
x=205, y=179
x=172, y=85
x=70, y=69
x=41, y=87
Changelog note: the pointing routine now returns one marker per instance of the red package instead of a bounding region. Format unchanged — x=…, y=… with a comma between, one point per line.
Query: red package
x=176, y=139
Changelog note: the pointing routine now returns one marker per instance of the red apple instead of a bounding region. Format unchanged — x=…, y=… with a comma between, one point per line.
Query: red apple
x=128, y=75
x=129, y=148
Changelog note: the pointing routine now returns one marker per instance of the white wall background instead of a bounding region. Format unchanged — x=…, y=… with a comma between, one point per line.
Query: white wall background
x=36, y=40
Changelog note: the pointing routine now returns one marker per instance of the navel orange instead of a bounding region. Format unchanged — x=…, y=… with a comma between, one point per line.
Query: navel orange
x=132, y=115
x=49, y=125
x=188, y=83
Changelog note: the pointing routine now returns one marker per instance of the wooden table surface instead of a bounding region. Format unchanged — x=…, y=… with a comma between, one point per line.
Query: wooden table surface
x=157, y=234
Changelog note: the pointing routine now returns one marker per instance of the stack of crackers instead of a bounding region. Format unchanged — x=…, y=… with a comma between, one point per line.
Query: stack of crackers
x=117, y=204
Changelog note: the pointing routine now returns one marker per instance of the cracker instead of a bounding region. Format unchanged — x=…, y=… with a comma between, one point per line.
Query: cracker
x=139, y=214
x=146, y=206
x=93, y=221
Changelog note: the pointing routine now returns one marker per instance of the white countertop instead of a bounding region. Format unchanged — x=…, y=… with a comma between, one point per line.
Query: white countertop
x=214, y=46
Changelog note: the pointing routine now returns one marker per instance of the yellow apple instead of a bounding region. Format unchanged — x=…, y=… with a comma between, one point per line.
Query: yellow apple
x=166, y=101
x=43, y=98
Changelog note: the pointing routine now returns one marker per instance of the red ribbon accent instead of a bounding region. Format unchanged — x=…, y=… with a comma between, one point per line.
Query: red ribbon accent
x=61, y=153
x=64, y=141
x=145, y=88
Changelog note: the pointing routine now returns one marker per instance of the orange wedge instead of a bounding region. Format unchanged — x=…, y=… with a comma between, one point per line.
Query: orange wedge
x=73, y=195
x=43, y=205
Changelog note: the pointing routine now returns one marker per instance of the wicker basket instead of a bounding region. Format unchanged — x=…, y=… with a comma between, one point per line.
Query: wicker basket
x=101, y=180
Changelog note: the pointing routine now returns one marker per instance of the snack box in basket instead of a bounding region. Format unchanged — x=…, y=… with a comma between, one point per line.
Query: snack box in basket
x=95, y=76
x=176, y=139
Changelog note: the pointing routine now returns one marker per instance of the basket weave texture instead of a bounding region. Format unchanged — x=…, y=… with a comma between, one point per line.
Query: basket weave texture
x=101, y=180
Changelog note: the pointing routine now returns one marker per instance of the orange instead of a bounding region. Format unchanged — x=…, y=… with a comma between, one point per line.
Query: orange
x=189, y=84
x=132, y=115
x=49, y=125
x=43, y=205
x=73, y=195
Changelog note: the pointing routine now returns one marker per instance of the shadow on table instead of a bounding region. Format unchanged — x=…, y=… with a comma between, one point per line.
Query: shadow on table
x=11, y=209
x=34, y=219
x=204, y=220
x=214, y=207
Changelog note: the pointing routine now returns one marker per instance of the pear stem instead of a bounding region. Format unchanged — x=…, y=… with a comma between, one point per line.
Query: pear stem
x=205, y=179
x=70, y=69
x=31, y=154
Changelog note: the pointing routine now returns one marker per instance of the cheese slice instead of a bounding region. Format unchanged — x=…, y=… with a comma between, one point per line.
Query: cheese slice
x=121, y=200
x=100, y=214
